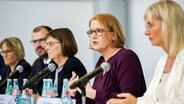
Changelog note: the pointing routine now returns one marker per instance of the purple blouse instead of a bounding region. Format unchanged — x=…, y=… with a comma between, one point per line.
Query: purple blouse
x=125, y=75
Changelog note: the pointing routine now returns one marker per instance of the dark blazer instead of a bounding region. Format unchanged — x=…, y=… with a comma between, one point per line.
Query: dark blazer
x=72, y=64
x=37, y=66
x=3, y=69
x=20, y=76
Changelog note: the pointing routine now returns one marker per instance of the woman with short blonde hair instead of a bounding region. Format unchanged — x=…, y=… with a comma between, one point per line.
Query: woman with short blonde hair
x=13, y=54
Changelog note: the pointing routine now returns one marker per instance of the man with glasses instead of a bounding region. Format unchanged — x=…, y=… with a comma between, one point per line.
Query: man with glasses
x=38, y=40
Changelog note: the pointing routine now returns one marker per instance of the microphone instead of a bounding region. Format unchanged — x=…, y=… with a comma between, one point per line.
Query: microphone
x=19, y=69
x=104, y=67
x=50, y=68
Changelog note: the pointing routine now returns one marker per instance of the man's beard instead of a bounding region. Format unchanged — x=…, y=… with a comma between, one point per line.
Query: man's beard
x=39, y=52
x=45, y=55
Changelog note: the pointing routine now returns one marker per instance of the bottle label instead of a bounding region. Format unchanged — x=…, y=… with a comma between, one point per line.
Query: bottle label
x=15, y=92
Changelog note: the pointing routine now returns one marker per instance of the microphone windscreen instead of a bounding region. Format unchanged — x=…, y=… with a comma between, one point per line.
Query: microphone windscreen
x=19, y=68
x=105, y=66
x=52, y=67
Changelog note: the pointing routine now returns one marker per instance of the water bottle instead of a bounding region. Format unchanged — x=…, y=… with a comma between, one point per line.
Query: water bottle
x=8, y=90
x=25, y=98
x=65, y=96
x=49, y=92
x=15, y=90
x=55, y=89
x=73, y=101
x=44, y=88
x=24, y=91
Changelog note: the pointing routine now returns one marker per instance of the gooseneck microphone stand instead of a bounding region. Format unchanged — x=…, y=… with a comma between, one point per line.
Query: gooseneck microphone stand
x=82, y=86
x=83, y=90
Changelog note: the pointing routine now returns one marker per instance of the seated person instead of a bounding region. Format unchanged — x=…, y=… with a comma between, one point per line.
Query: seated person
x=13, y=54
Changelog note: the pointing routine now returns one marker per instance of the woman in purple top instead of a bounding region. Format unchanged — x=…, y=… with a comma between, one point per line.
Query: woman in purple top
x=125, y=74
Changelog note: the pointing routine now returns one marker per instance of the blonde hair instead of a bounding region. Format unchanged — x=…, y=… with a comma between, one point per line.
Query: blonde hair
x=110, y=23
x=16, y=45
x=171, y=16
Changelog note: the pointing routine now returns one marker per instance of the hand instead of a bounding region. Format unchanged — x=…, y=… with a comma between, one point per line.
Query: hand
x=90, y=92
x=74, y=78
x=127, y=98
x=30, y=92
x=38, y=96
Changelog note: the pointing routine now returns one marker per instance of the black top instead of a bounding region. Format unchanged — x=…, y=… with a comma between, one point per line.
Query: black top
x=72, y=64
x=3, y=69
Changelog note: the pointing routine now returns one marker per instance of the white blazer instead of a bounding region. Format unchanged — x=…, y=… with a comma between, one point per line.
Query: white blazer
x=174, y=91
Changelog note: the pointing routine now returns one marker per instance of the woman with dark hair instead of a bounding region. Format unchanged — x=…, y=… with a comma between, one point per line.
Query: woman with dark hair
x=61, y=48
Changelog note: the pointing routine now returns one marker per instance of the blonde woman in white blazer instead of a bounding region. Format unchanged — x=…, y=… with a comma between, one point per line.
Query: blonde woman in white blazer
x=164, y=28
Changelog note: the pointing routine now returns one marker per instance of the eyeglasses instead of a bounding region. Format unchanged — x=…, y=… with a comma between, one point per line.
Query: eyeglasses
x=51, y=44
x=97, y=31
x=6, y=52
x=150, y=26
x=42, y=40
